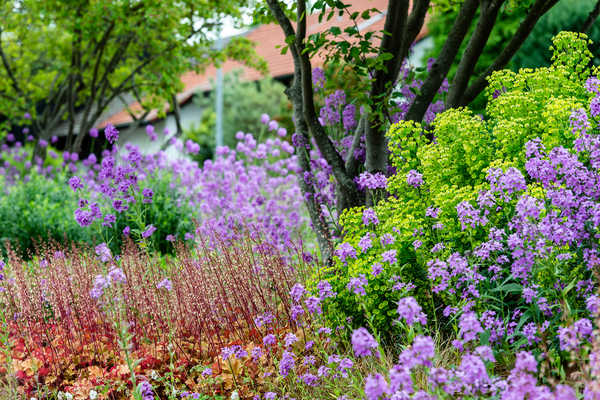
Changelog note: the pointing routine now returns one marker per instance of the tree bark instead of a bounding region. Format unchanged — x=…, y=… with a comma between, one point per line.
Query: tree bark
x=537, y=10
x=384, y=79
x=487, y=20
x=294, y=93
x=347, y=187
x=442, y=64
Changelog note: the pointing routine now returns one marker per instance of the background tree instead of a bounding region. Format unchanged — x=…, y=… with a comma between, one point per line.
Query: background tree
x=380, y=56
x=69, y=59
x=243, y=105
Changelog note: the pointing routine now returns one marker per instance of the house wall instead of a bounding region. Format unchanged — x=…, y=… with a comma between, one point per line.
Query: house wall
x=189, y=113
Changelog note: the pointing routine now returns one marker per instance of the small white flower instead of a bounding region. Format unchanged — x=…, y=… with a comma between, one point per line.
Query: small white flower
x=234, y=395
x=93, y=395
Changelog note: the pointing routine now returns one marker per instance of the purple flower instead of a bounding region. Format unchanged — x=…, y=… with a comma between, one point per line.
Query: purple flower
x=376, y=269
x=365, y=243
x=357, y=285
x=297, y=292
x=432, y=212
x=469, y=326
x=369, y=217
x=375, y=387
x=264, y=118
x=389, y=256
x=103, y=252
x=414, y=178
x=111, y=133
x=309, y=379
x=313, y=304
x=256, y=353
x=75, y=183
x=269, y=339
x=318, y=78
x=592, y=304
x=345, y=251
x=117, y=275
x=94, y=132
x=145, y=389
x=165, y=284
x=348, y=117
x=287, y=363
x=525, y=362
x=147, y=193
x=126, y=231
x=371, y=181
x=273, y=125
x=411, y=311
x=296, y=311
x=325, y=290
x=84, y=217
x=592, y=85
x=363, y=342
x=150, y=229
x=595, y=107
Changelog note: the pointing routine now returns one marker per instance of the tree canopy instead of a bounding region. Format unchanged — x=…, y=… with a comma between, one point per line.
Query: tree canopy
x=68, y=59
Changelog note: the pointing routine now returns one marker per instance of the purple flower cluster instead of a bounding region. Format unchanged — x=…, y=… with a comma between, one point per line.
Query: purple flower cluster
x=367, y=180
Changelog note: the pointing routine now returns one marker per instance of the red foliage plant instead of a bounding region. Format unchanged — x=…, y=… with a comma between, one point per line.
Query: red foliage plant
x=215, y=294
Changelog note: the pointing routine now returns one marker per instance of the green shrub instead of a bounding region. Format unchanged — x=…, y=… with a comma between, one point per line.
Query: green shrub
x=37, y=211
x=169, y=213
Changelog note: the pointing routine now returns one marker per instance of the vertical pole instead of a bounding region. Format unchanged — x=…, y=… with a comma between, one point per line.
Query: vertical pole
x=219, y=98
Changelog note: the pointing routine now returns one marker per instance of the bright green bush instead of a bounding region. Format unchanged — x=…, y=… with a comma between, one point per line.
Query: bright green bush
x=454, y=165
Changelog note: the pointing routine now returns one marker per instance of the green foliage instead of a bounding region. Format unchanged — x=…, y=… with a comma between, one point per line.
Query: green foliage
x=243, y=104
x=521, y=107
x=168, y=212
x=39, y=211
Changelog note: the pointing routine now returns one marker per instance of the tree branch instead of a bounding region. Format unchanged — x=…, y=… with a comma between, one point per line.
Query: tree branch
x=442, y=64
x=352, y=163
x=592, y=17
x=414, y=25
x=7, y=67
x=479, y=38
x=537, y=10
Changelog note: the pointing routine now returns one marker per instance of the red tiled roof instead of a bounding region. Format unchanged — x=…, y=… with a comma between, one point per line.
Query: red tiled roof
x=267, y=38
